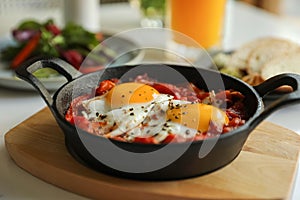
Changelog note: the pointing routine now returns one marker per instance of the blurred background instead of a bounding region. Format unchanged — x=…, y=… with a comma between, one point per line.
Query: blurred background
x=12, y=11
x=285, y=8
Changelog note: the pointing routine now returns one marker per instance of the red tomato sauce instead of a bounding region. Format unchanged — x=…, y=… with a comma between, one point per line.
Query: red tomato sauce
x=231, y=101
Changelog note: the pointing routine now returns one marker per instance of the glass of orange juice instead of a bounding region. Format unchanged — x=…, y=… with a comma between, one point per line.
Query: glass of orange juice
x=202, y=20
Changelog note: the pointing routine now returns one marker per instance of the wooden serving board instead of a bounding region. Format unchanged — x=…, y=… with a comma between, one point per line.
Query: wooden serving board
x=265, y=169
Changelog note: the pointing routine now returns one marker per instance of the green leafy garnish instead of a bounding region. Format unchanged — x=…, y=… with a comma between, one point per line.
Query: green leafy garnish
x=72, y=43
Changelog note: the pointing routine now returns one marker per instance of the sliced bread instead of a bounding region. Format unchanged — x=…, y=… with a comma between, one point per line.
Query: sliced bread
x=289, y=63
x=239, y=58
x=272, y=49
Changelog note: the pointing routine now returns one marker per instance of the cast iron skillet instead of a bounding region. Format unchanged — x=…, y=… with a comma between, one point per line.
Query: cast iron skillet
x=92, y=150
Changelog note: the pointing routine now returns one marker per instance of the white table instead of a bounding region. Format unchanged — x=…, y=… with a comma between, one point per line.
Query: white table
x=244, y=23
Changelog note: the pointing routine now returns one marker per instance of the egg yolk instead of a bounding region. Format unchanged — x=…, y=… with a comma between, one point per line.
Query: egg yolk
x=130, y=93
x=197, y=116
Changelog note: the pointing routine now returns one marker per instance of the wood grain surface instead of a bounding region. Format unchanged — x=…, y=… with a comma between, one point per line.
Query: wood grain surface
x=265, y=169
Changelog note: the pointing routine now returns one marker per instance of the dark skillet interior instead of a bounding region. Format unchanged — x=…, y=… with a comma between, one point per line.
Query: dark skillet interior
x=86, y=83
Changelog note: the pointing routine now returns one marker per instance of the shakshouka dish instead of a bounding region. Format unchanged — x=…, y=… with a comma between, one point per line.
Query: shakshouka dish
x=147, y=111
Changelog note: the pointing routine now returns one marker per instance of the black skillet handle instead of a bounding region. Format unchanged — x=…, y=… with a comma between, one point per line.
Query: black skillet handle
x=270, y=85
x=26, y=71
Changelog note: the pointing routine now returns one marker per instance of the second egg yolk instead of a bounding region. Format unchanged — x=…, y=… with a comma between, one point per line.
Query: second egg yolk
x=197, y=116
x=130, y=93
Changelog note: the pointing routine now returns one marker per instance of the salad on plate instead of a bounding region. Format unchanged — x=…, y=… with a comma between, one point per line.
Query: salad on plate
x=72, y=43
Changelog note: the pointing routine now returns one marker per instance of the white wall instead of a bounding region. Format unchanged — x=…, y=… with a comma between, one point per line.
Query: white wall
x=291, y=8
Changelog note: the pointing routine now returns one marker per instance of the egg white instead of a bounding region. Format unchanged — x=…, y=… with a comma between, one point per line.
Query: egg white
x=136, y=120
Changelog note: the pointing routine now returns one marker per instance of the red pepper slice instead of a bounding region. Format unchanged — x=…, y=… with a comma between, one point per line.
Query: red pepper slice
x=165, y=88
x=26, y=51
x=145, y=140
x=53, y=29
x=169, y=138
x=174, y=138
x=104, y=86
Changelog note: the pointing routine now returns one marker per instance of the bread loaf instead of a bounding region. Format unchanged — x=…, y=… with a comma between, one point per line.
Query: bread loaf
x=272, y=49
x=289, y=63
x=239, y=58
x=263, y=58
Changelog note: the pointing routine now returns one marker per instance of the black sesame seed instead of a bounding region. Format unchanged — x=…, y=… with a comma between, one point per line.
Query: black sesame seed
x=103, y=116
x=187, y=132
x=130, y=109
x=123, y=96
x=131, y=114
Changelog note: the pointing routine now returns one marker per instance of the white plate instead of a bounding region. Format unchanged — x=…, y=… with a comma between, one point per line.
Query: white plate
x=8, y=78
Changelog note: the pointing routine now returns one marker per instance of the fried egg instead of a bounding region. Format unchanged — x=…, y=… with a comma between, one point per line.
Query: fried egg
x=135, y=110
x=130, y=93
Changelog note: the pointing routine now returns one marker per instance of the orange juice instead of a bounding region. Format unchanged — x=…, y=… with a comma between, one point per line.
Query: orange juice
x=201, y=20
